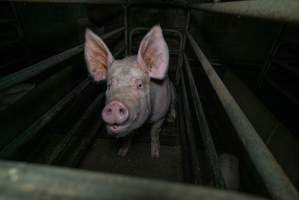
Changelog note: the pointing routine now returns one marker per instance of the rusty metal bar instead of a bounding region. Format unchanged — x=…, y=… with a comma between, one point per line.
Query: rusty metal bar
x=41, y=66
x=31, y=181
x=205, y=132
x=276, y=181
x=279, y=10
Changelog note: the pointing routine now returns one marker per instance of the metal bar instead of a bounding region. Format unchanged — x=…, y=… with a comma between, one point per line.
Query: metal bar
x=75, y=1
x=272, y=52
x=204, y=128
x=180, y=63
x=30, y=132
x=185, y=151
x=62, y=146
x=279, y=10
x=30, y=181
x=286, y=66
x=189, y=131
x=126, y=29
x=179, y=3
x=79, y=152
x=282, y=91
x=41, y=66
x=57, y=152
x=274, y=178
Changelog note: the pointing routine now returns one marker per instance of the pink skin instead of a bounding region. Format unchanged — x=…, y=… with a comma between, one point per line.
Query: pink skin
x=138, y=89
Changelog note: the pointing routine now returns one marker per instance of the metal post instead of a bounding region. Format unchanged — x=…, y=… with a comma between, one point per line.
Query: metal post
x=279, y=10
x=276, y=181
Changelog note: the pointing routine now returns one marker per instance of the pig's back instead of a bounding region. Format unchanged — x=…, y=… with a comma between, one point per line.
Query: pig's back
x=160, y=92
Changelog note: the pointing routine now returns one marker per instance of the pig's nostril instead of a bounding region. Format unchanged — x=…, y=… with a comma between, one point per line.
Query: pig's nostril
x=109, y=110
x=122, y=111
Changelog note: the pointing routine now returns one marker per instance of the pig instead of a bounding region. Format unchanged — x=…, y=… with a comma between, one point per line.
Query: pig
x=138, y=88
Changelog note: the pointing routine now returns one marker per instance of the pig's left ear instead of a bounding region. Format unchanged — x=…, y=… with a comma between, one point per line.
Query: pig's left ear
x=97, y=56
x=153, y=55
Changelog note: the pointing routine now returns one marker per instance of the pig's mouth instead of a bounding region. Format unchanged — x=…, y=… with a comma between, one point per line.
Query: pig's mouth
x=117, y=128
x=120, y=130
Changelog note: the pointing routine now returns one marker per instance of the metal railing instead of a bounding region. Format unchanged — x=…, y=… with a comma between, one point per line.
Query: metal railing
x=277, y=183
x=278, y=10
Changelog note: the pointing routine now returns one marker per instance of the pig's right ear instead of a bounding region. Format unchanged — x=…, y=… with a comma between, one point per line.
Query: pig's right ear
x=97, y=56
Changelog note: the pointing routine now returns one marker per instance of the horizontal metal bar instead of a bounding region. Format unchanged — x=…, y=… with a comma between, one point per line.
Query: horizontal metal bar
x=172, y=2
x=41, y=66
x=279, y=10
x=286, y=66
x=30, y=132
x=204, y=128
x=29, y=181
x=75, y=1
x=276, y=181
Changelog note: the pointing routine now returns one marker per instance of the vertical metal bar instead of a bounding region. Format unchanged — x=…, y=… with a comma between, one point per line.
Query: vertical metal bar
x=182, y=48
x=204, y=128
x=189, y=131
x=276, y=181
x=275, y=46
x=126, y=29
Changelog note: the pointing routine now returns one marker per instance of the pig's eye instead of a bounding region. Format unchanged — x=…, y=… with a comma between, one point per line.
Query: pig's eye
x=139, y=84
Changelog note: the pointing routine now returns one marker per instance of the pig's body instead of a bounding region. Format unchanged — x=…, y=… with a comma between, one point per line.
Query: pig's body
x=161, y=98
x=138, y=88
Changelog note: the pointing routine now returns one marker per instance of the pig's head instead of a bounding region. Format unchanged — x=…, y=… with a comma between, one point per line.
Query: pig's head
x=128, y=103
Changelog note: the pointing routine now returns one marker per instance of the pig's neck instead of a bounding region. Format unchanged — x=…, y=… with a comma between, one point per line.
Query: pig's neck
x=160, y=99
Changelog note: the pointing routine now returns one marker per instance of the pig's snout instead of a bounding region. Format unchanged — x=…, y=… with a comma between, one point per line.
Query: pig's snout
x=115, y=113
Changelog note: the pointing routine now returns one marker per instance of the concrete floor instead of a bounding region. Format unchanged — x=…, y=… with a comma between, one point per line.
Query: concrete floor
x=102, y=156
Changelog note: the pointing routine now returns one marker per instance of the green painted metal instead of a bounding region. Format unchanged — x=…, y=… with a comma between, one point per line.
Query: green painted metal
x=279, y=10
x=28, y=181
x=41, y=66
x=204, y=128
x=276, y=181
